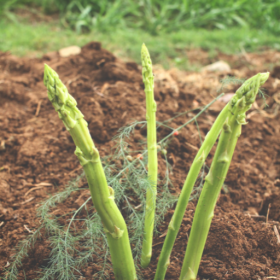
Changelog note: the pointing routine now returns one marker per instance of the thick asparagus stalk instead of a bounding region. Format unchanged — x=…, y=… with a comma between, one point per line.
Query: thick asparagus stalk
x=148, y=79
x=204, y=213
x=102, y=195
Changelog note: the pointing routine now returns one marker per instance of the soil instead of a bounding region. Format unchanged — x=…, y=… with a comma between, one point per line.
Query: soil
x=37, y=159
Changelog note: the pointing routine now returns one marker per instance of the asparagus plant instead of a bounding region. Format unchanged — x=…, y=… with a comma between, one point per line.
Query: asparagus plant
x=204, y=213
x=229, y=121
x=183, y=200
x=202, y=154
x=148, y=79
x=102, y=195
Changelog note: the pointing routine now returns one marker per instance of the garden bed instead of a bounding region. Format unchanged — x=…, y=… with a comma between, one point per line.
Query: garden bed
x=37, y=155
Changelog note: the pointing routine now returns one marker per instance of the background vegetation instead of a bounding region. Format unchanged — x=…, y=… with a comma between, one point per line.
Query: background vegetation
x=167, y=27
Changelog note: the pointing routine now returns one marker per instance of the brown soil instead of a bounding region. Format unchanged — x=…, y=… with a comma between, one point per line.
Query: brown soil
x=37, y=159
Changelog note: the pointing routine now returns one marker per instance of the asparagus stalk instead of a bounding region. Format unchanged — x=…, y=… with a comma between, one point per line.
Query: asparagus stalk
x=202, y=154
x=148, y=79
x=204, y=213
x=183, y=200
x=102, y=195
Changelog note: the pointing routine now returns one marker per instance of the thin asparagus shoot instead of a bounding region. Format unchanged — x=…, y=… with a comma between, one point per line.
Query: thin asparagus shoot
x=182, y=203
x=102, y=195
x=202, y=154
x=204, y=213
x=151, y=194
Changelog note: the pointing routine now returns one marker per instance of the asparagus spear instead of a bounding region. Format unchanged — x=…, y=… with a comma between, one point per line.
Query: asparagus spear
x=148, y=79
x=204, y=213
x=202, y=154
x=183, y=200
x=102, y=195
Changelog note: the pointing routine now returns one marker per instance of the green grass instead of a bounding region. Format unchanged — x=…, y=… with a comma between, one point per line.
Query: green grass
x=168, y=49
x=159, y=15
x=168, y=28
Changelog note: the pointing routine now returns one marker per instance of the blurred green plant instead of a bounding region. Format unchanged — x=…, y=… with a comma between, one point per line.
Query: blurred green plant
x=167, y=49
x=159, y=15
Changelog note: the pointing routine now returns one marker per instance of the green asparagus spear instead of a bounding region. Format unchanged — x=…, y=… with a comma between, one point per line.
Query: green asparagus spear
x=204, y=213
x=202, y=154
x=182, y=203
x=102, y=195
x=148, y=79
